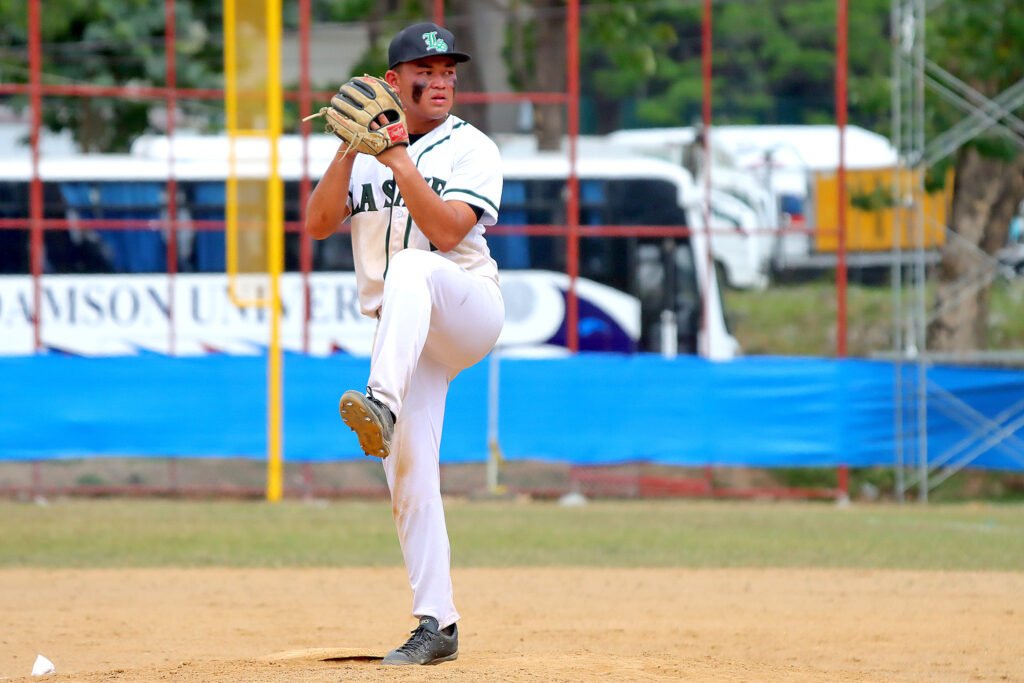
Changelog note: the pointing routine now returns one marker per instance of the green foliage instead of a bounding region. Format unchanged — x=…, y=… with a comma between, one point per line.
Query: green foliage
x=112, y=42
x=620, y=49
x=879, y=483
x=375, y=61
x=341, y=10
x=806, y=477
x=879, y=479
x=772, y=62
x=878, y=198
x=980, y=42
x=935, y=176
x=90, y=479
x=519, y=49
x=640, y=62
x=997, y=147
x=800, y=319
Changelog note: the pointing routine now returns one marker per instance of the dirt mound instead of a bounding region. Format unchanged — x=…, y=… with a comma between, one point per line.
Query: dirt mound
x=551, y=624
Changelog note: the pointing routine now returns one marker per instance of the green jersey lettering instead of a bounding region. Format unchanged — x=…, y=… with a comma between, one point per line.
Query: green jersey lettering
x=388, y=188
x=367, y=202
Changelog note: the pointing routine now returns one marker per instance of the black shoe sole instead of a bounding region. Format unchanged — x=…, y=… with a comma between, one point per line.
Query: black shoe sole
x=440, y=660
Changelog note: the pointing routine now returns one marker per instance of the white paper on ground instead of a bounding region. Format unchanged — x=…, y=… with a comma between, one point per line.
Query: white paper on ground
x=43, y=666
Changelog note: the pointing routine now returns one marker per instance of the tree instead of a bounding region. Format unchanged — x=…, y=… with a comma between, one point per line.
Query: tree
x=471, y=79
x=113, y=42
x=641, y=62
x=535, y=52
x=383, y=19
x=621, y=48
x=980, y=42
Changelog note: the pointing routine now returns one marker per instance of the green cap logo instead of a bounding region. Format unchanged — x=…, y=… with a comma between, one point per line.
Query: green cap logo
x=434, y=43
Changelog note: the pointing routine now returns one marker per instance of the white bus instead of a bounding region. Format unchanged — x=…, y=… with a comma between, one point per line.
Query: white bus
x=622, y=191
x=624, y=304
x=774, y=167
x=742, y=214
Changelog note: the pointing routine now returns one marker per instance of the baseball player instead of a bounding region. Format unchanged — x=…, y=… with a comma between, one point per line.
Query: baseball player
x=420, y=195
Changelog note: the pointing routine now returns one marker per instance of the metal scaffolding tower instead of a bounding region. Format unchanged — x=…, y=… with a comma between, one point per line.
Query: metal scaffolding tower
x=914, y=392
x=910, y=420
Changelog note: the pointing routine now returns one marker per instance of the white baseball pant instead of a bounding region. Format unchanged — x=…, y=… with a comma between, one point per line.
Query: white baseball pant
x=436, y=320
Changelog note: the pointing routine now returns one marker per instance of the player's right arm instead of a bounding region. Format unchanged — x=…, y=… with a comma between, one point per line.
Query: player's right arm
x=324, y=212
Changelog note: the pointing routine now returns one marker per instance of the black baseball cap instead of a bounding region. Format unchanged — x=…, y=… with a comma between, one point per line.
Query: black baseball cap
x=422, y=40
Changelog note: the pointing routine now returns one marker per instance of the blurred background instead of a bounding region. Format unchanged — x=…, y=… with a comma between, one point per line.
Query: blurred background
x=790, y=232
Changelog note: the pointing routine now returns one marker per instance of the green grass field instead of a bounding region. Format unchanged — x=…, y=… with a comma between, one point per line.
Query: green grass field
x=799, y=319
x=160, y=533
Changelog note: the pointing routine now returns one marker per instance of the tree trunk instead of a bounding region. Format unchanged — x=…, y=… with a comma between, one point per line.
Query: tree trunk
x=549, y=73
x=986, y=193
x=609, y=114
x=470, y=77
x=91, y=126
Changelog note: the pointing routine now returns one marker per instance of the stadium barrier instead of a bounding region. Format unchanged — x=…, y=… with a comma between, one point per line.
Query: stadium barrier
x=612, y=419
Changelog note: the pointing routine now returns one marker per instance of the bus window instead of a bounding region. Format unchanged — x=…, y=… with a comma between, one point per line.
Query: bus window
x=632, y=265
x=206, y=203
x=139, y=250
x=74, y=250
x=644, y=202
x=656, y=202
x=13, y=243
x=592, y=202
x=511, y=252
x=292, y=238
x=545, y=205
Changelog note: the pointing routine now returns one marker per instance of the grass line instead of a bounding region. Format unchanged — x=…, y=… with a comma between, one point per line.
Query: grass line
x=124, y=533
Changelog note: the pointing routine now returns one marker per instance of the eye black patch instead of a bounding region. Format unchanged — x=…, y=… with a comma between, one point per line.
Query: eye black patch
x=417, y=90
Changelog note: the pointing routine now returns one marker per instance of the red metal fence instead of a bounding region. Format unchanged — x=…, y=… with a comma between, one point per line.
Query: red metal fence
x=571, y=231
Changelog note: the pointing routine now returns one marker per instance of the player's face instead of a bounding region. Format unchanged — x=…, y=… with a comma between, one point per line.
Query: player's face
x=427, y=87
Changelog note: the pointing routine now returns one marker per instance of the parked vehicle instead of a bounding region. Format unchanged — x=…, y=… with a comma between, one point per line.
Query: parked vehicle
x=614, y=191
x=793, y=170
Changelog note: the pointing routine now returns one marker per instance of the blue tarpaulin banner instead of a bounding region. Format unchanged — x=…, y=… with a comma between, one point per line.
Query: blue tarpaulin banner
x=588, y=409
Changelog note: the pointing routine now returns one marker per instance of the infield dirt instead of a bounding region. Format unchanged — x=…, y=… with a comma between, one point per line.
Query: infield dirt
x=543, y=624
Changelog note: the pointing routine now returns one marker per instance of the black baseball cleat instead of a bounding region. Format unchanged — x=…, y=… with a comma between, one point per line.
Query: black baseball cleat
x=371, y=420
x=427, y=645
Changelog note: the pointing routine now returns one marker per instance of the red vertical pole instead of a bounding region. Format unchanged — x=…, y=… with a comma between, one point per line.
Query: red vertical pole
x=171, y=66
x=572, y=51
x=439, y=12
x=305, y=105
x=841, y=67
x=705, y=52
x=843, y=480
x=36, y=187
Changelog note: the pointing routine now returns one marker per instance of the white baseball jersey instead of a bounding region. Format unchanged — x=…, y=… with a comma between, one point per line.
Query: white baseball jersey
x=460, y=163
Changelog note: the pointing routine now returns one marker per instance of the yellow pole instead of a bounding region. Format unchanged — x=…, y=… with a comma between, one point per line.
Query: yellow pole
x=231, y=122
x=236, y=130
x=275, y=257
x=244, y=124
